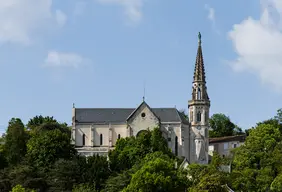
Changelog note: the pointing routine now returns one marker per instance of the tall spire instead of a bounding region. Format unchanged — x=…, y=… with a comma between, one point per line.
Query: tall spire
x=199, y=73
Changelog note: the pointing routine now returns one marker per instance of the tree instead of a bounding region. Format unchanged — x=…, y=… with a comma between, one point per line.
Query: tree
x=257, y=163
x=158, y=173
x=67, y=174
x=84, y=188
x=276, y=185
x=39, y=124
x=208, y=177
x=36, y=121
x=184, y=114
x=49, y=146
x=27, y=176
x=5, y=182
x=15, y=141
x=130, y=150
x=278, y=116
x=221, y=126
x=64, y=174
x=3, y=161
x=18, y=188
x=97, y=170
x=118, y=182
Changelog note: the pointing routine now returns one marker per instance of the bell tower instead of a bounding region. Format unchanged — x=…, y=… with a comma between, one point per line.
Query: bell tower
x=198, y=108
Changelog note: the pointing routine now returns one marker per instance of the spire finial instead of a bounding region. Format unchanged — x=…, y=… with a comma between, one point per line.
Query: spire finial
x=199, y=73
x=199, y=38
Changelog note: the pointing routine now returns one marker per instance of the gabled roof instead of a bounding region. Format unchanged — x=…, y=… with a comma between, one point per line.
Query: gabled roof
x=240, y=138
x=120, y=115
x=142, y=104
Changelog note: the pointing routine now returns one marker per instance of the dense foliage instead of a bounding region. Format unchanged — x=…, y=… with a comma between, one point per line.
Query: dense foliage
x=39, y=157
x=221, y=126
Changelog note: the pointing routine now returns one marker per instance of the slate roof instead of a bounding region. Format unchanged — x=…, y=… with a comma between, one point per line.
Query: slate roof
x=120, y=115
x=240, y=138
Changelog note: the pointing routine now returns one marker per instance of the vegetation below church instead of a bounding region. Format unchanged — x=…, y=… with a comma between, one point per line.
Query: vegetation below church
x=39, y=157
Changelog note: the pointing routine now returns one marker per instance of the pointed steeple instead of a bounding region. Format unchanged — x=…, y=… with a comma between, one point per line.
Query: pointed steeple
x=199, y=72
x=199, y=107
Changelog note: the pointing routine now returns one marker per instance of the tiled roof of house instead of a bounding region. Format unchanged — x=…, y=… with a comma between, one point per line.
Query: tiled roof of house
x=240, y=138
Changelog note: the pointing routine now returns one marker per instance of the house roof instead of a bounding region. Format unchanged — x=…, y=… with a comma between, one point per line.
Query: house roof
x=120, y=115
x=240, y=138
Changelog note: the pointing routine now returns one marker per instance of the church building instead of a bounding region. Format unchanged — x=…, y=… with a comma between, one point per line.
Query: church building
x=96, y=130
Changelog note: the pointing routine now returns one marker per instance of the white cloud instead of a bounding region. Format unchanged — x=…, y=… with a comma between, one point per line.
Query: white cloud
x=57, y=59
x=258, y=44
x=211, y=17
x=20, y=19
x=211, y=14
x=132, y=8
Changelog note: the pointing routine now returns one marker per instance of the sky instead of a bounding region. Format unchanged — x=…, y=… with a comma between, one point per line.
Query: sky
x=102, y=53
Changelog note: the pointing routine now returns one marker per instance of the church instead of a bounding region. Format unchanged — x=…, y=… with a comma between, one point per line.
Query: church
x=96, y=130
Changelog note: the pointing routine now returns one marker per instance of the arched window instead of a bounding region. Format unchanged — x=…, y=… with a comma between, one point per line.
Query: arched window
x=199, y=94
x=101, y=139
x=176, y=145
x=83, y=139
x=192, y=114
x=199, y=116
x=118, y=136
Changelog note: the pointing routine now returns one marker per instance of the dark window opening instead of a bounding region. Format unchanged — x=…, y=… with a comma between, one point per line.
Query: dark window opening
x=118, y=136
x=83, y=139
x=143, y=114
x=199, y=116
x=101, y=139
x=176, y=145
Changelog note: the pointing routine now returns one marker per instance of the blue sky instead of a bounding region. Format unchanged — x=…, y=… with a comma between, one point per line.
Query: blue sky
x=99, y=53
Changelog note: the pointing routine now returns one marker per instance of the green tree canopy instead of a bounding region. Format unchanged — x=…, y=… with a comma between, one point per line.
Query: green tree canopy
x=130, y=150
x=158, y=173
x=47, y=147
x=39, y=120
x=39, y=124
x=27, y=176
x=209, y=177
x=15, y=141
x=18, y=188
x=221, y=126
x=84, y=188
x=257, y=164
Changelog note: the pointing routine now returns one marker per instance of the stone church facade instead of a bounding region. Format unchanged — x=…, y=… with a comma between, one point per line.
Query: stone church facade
x=96, y=130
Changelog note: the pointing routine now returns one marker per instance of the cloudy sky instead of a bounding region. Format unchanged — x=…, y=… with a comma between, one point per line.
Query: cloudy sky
x=100, y=53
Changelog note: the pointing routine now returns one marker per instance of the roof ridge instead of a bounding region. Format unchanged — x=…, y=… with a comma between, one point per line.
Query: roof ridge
x=124, y=108
x=104, y=108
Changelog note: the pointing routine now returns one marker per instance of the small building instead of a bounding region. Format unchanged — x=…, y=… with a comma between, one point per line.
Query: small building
x=224, y=145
